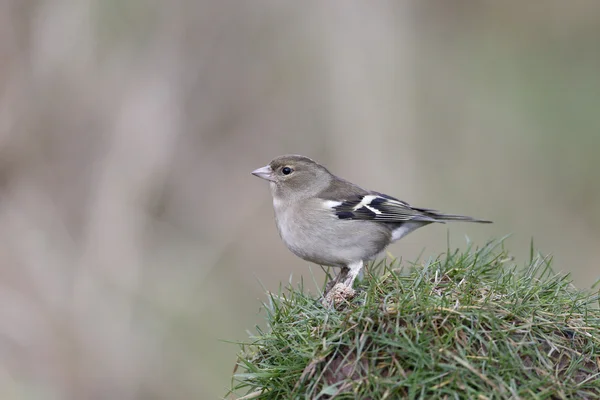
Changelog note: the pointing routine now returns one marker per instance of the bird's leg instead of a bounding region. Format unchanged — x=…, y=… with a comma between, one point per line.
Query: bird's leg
x=340, y=289
x=353, y=271
x=341, y=276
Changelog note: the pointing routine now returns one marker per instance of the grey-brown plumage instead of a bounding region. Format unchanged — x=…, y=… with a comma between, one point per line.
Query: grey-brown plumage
x=329, y=221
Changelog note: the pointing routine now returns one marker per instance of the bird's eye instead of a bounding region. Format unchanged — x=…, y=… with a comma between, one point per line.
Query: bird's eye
x=286, y=170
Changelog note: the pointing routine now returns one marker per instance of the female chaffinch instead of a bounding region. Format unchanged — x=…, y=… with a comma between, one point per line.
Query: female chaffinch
x=330, y=221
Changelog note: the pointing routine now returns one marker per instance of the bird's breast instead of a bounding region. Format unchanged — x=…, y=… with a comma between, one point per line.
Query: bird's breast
x=289, y=224
x=317, y=235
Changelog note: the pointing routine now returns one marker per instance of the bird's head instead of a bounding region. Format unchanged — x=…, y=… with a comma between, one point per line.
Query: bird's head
x=294, y=176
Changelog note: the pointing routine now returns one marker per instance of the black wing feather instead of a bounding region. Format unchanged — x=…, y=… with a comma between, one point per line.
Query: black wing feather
x=376, y=206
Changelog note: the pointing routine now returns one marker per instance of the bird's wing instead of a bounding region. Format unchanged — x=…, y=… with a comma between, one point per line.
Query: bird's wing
x=349, y=201
x=383, y=208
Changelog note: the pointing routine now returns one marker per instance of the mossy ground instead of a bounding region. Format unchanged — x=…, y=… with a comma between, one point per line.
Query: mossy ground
x=468, y=325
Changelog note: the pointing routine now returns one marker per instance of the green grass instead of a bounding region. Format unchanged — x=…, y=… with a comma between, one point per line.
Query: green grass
x=468, y=325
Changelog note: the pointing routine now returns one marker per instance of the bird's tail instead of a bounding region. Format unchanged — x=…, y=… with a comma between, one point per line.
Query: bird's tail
x=452, y=217
x=440, y=217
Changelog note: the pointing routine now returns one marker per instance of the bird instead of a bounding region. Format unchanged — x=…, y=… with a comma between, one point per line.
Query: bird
x=330, y=221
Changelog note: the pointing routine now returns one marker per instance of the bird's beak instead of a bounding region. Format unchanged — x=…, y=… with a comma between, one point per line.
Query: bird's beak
x=265, y=173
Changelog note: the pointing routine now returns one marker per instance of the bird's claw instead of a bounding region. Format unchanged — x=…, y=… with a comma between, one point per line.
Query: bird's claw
x=338, y=294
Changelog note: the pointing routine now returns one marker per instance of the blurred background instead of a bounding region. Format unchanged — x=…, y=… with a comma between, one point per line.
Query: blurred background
x=133, y=240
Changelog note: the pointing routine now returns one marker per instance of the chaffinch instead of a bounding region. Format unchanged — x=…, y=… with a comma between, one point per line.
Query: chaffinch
x=330, y=221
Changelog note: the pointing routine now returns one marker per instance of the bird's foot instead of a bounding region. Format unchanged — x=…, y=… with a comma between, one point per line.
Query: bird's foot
x=340, y=289
x=338, y=294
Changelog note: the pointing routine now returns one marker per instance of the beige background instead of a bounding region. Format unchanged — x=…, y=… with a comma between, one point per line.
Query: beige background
x=133, y=239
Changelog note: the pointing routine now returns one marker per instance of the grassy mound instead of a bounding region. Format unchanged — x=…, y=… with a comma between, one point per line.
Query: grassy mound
x=467, y=325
